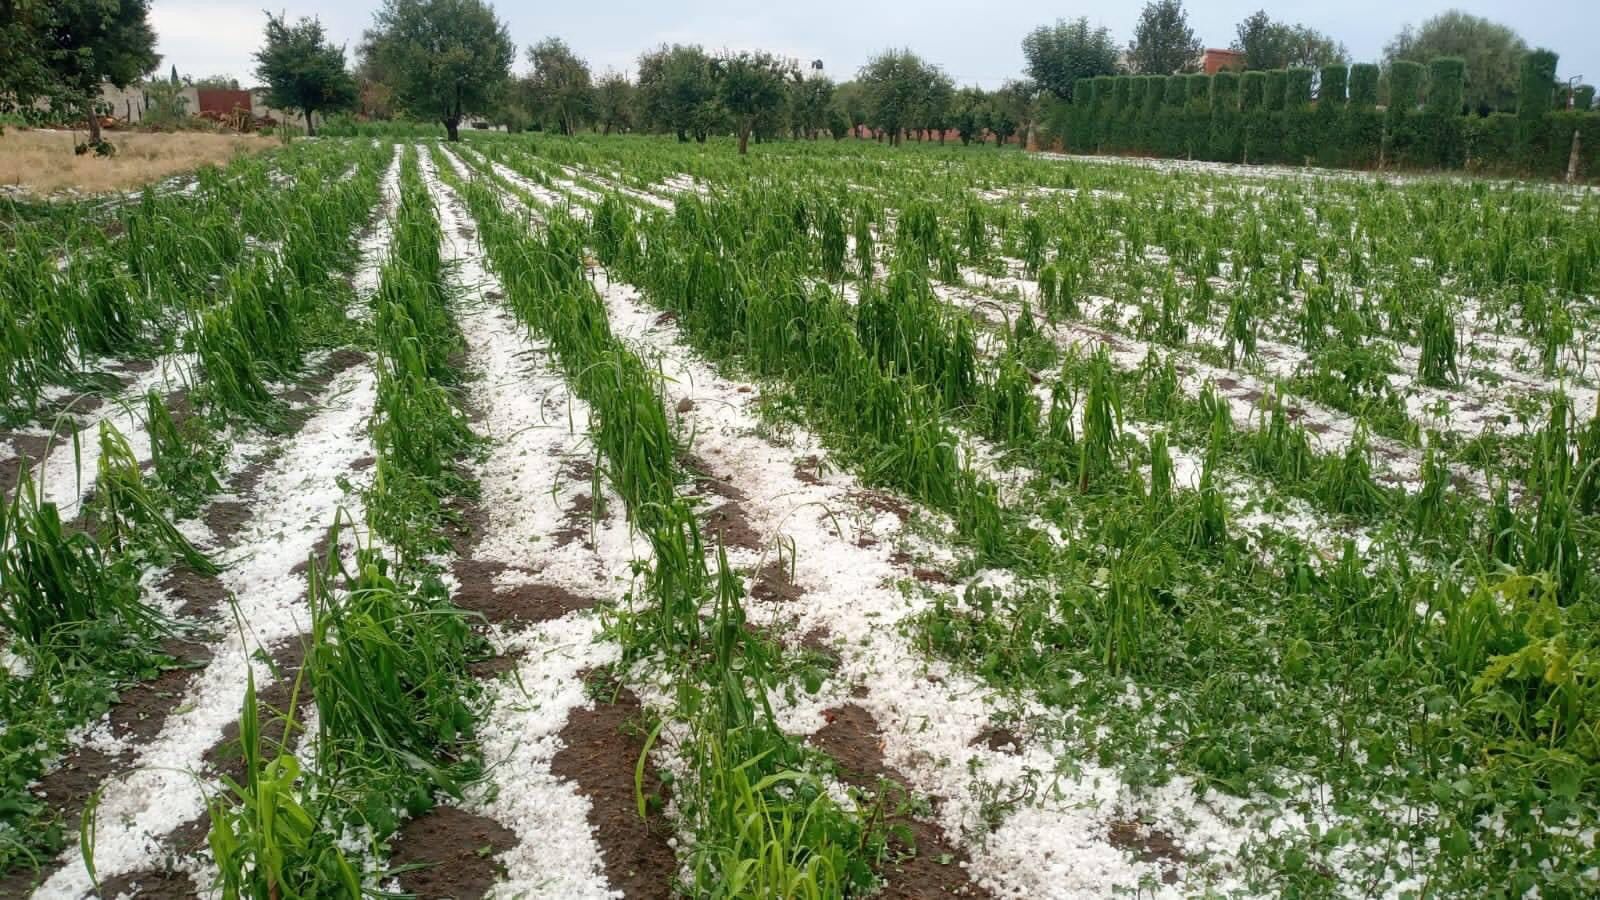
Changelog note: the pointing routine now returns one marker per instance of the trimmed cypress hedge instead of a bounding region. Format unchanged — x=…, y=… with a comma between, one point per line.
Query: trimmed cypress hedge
x=1364, y=84
x=1405, y=141
x=1277, y=84
x=1263, y=117
x=1227, y=133
x=1197, y=116
x=1444, y=143
x=1536, y=95
x=1333, y=82
x=1583, y=97
x=1155, y=87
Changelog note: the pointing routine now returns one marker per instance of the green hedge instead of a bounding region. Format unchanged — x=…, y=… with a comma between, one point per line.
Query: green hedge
x=1536, y=96
x=1196, y=125
x=1364, y=85
x=1332, y=99
x=1277, y=85
x=1267, y=117
x=1442, y=128
x=1227, y=129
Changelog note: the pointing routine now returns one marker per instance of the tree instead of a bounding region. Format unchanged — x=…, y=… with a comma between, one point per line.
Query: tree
x=933, y=107
x=613, y=102
x=446, y=58
x=1493, y=54
x=1163, y=43
x=560, y=85
x=899, y=91
x=969, y=114
x=749, y=86
x=86, y=43
x=1011, y=109
x=850, y=104
x=302, y=70
x=810, y=100
x=676, y=92
x=1058, y=55
x=23, y=73
x=1268, y=44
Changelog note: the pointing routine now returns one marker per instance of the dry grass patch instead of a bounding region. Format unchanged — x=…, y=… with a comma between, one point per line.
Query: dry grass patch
x=43, y=162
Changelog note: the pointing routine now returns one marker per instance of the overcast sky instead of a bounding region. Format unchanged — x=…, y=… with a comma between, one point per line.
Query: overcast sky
x=977, y=43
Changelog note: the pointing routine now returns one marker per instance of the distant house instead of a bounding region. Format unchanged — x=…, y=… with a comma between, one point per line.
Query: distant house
x=1215, y=60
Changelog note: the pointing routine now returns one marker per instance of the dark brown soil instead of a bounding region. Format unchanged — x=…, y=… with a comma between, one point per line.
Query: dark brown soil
x=495, y=666
x=731, y=527
x=772, y=584
x=203, y=595
x=308, y=388
x=149, y=884
x=602, y=746
x=934, y=867
x=685, y=405
x=453, y=852
x=921, y=573
x=516, y=605
x=808, y=470
x=727, y=522
x=575, y=522
x=1149, y=845
x=883, y=503
x=30, y=448
x=136, y=717
x=226, y=756
x=1000, y=740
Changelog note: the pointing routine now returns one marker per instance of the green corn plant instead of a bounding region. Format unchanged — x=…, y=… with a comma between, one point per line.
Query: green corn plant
x=265, y=835
x=1437, y=365
x=126, y=513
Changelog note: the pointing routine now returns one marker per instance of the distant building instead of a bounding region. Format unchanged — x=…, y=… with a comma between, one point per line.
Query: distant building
x=1215, y=60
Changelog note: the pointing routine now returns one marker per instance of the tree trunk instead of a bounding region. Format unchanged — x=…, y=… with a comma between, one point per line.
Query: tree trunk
x=607, y=131
x=311, y=127
x=744, y=140
x=452, y=129
x=94, y=125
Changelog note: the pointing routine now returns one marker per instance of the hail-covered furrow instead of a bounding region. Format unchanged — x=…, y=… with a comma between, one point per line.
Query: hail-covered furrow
x=296, y=498
x=542, y=561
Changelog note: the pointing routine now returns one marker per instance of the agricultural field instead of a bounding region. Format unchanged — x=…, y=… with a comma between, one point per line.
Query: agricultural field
x=599, y=517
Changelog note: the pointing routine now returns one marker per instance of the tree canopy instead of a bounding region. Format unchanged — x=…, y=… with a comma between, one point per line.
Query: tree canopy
x=64, y=50
x=750, y=85
x=1163, y=43
x=613, y=101
x=1059, y=55
x=676, y=92
x=445, y=59
x=560, y=86
x=1493, y=54
x=899, y=90
x=303, y=70
x=1269, y=44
